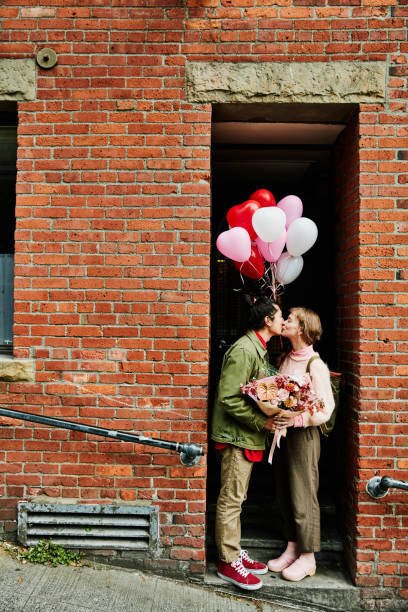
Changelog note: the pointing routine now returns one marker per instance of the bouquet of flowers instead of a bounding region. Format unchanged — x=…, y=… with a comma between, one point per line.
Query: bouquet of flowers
x=275, y=393
x=280, y=392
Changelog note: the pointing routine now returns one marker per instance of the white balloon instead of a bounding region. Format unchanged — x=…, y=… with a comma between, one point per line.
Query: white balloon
x=302, y=235
x=288, y=268
x=269, y=223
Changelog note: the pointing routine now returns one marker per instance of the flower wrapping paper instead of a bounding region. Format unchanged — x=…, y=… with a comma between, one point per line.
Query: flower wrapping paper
x=279, y=392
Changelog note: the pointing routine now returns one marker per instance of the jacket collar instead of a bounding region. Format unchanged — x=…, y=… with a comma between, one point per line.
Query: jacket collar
x=257, y=343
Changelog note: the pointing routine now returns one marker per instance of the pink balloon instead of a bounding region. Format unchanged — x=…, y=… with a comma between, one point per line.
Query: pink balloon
x=292, y=207
x=271, y=251
x=235, y=243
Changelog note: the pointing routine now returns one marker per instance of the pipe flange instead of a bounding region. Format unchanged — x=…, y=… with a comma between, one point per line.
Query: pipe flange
x=188, y=460
x=46, y=58
x=374, y=488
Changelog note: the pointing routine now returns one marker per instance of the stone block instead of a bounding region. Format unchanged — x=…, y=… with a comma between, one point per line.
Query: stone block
x=16, y=370
x=319, y=82
x=17, y=79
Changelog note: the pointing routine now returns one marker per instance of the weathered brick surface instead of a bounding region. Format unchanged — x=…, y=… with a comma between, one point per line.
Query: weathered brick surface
x=113, y=241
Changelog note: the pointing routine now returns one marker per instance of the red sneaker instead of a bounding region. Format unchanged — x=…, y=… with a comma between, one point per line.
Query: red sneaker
x=255, y=567
x=236, y=573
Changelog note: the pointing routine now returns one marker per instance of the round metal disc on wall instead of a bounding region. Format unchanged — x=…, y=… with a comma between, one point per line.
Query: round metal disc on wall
x=46, y=58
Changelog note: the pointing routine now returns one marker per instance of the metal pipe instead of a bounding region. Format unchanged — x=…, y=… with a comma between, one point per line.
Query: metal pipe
x=189, y=453
x=378, y=487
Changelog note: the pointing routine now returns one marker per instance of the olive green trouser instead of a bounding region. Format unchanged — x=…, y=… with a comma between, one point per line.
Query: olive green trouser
x=235, y=476
x=297, y=480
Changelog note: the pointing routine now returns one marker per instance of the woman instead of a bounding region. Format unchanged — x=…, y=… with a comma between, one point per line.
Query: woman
x=297, y=460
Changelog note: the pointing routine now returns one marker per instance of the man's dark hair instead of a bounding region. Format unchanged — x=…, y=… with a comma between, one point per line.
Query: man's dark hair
x=259, y=308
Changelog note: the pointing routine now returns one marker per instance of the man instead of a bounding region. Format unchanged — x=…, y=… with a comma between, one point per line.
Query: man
x=239, y=430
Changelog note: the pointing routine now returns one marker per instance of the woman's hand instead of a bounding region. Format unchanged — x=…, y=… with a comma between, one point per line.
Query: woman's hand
x=285, y=418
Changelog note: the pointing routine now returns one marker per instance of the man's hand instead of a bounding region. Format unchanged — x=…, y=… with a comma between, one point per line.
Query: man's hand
x=270, y=424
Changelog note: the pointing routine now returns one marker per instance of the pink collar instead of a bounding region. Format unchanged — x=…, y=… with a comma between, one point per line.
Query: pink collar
x=304, y=353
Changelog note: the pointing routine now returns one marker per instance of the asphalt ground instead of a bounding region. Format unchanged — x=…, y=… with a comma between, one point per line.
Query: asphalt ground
x=27, y=587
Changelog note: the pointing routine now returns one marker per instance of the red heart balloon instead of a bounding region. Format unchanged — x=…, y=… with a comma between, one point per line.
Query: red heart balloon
x=241, y=216
x=264, y=197
x=254, y=267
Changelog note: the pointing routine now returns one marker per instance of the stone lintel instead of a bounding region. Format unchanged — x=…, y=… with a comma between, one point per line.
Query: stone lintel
x=316, y=82
x=16, y=370
x=17, y=79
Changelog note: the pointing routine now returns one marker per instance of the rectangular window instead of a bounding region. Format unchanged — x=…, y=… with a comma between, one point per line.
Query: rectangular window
x=8, y=156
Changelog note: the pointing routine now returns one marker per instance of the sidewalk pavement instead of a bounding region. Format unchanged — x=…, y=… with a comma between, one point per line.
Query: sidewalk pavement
x=38, y=588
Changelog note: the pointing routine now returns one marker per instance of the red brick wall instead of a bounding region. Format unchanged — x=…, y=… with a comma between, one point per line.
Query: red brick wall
x=371, y=341
x=348, y=337
x=112, y=251
x=382, y=532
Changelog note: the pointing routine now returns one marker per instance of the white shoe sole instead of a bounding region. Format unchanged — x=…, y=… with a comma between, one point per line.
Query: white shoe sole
x=258, y=572
x=246, y=587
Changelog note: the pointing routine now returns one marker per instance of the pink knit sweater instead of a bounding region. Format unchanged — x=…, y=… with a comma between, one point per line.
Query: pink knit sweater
x=320, y=375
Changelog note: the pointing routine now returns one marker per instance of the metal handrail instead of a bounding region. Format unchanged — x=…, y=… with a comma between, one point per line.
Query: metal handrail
x=189, y=453
x=378, y=487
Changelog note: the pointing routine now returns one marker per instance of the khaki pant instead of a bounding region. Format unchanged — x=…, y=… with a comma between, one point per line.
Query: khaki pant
x=297, y=479
x=235, y=476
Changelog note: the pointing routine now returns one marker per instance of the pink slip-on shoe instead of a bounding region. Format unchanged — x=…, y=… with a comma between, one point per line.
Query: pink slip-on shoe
x=236, y=573
x=299, y=570
x=281, y=563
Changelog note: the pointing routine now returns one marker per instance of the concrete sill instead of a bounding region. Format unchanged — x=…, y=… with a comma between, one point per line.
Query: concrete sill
x=329, y=589
x=16, y=370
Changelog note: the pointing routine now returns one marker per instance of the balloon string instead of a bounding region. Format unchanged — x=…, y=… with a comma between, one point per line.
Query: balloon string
x=241, y=275
x=273, y=280
x=246, y=262
x=250, y=263
x=270, y=282
x=267, y=281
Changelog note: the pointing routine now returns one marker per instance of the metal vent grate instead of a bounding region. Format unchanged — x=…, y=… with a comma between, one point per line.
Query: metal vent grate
x=89, y=526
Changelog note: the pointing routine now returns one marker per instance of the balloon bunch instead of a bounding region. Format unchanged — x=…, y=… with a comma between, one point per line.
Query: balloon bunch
x=259, y=229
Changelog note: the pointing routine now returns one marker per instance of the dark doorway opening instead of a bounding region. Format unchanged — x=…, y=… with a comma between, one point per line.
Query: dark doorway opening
x=8, y=170
x=288, y=149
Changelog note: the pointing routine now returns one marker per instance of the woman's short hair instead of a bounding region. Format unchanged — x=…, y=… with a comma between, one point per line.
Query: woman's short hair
x=259, y=308
x=309, y=323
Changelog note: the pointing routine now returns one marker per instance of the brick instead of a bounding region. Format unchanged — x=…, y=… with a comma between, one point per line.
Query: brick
x=113, y=245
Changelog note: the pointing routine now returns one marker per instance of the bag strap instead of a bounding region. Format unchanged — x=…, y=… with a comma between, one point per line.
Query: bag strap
x=309, y=363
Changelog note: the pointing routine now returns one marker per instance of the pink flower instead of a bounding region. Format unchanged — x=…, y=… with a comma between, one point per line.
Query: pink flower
x=283, y=394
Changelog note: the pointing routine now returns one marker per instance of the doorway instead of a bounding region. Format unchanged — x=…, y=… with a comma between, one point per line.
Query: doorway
x=288, y=149
x=8, y=157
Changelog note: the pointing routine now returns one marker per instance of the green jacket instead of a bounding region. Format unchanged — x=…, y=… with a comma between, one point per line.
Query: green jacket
x=236, y=419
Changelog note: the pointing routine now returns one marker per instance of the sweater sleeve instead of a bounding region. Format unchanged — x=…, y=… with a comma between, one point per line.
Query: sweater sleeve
x=320, y=376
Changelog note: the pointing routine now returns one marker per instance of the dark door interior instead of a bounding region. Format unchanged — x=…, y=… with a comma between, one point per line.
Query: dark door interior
x=8, y=155
x=286, y=158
